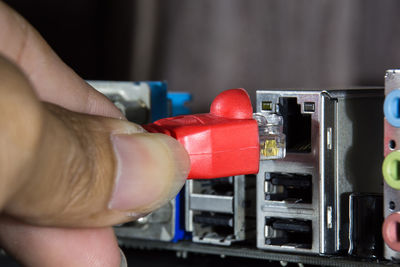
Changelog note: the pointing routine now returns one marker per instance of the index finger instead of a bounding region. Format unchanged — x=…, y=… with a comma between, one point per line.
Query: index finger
x=52, y=79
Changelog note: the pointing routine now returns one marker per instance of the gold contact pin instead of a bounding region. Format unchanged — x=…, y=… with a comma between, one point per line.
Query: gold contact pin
x=270, y=148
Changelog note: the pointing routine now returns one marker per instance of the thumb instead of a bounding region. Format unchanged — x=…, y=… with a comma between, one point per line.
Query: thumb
x=61, y=168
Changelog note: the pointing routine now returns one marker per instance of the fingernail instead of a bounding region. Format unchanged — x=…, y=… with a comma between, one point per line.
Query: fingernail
x=150, y=170
x=124, y=263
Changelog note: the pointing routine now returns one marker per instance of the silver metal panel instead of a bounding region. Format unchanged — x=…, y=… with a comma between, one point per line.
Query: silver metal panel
x=344, y=152
x=306, y=163
x=129, y=91
x=158, y=225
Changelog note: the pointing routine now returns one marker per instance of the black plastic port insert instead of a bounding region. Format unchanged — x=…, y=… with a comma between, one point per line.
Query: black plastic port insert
x=213, y=219
x=288, y=232
x=296, y=126
x=213, y=222
x=220, y=186
x=290, y=187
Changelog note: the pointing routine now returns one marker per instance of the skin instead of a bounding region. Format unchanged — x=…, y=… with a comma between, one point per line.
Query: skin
x=58, y=163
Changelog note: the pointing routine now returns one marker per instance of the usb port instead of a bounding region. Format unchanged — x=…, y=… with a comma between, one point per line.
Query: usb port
x=288, y=232
x=289, y=187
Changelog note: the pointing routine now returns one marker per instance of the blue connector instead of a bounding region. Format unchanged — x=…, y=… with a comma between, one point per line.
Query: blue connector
x=391, y=108
x=178, y=101
x=177, y=107
x=159, y=102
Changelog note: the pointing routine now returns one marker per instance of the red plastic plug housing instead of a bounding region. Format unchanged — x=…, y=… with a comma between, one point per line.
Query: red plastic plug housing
x=221, y=143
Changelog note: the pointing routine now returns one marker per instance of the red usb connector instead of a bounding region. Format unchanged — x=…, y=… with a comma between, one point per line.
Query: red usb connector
x=221, y=143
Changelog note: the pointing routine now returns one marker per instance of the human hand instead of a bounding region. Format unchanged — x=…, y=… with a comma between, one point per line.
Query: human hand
x=60, y=169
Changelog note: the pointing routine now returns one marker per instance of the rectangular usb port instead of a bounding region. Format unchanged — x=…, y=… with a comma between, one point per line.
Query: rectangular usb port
x=288, y=232
x=289, y=187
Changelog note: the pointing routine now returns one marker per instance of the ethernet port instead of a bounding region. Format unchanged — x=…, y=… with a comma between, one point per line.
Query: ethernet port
x=288, y=187
x=288, y=232
x=296, y=126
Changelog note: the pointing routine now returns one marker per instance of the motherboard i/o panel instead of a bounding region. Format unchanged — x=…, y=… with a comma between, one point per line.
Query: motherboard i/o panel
x=323, y=200
x=391, y=226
